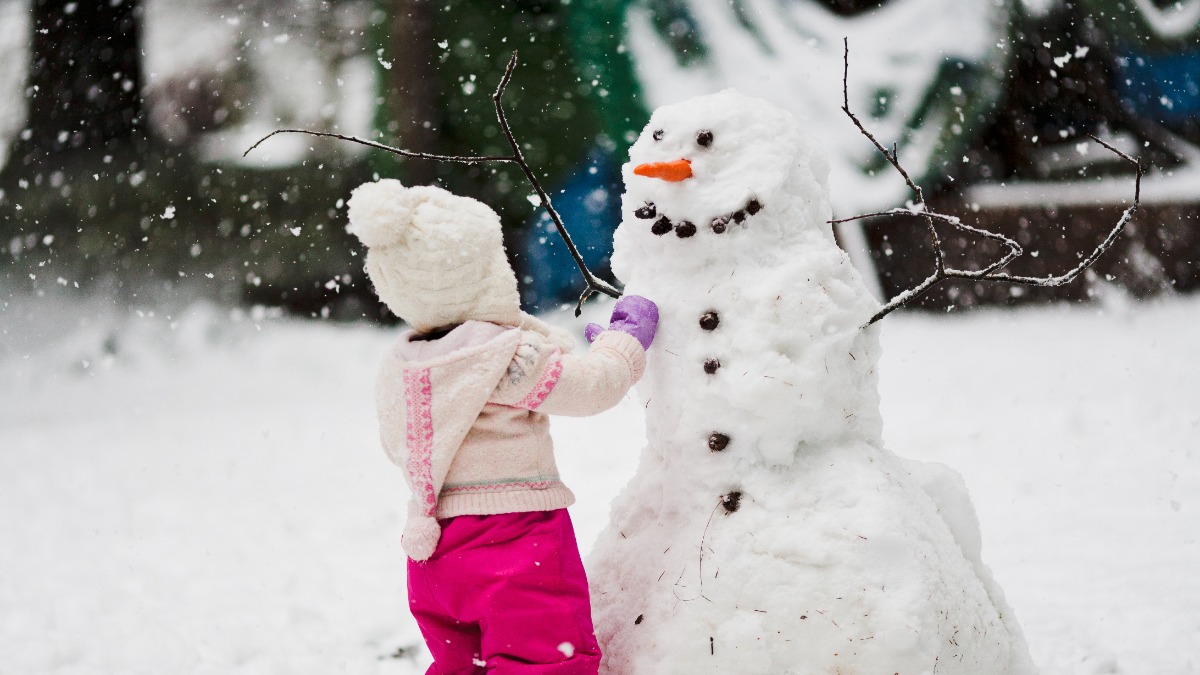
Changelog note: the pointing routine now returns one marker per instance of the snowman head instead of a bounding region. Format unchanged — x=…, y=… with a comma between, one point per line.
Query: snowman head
x=717, y=177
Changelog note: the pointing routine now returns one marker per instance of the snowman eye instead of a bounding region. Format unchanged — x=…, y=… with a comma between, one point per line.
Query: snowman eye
x=657, y=135
x=704, y=138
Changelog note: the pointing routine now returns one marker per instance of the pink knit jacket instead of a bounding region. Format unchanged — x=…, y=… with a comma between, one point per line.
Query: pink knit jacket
x=465, y=416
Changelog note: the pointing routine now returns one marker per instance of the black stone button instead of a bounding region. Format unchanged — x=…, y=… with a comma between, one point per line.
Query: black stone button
x=685, y=229
x=647, y=211
x=718, y=442
x=753, y=206
x=711, y=365
x=662, y=226
x=732, y=501
x=719, y=225
x=710, y=321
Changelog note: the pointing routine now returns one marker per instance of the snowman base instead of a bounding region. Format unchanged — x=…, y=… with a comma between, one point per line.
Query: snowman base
x=843, y=562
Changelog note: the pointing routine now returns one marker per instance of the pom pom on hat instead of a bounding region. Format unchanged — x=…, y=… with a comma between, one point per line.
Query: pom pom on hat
x=379, y=212
x=421, y=536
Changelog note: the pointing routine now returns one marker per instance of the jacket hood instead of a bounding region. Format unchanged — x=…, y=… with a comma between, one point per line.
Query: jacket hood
x=465, y=342
x=447, y=381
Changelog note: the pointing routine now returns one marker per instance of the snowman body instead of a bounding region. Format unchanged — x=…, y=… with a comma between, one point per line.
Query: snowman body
x=767, y=530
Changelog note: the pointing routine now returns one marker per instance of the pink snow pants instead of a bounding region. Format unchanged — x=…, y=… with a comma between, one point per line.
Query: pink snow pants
x=507, y=591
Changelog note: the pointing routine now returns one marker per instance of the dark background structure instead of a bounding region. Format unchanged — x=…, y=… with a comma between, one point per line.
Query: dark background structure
x=112, y=180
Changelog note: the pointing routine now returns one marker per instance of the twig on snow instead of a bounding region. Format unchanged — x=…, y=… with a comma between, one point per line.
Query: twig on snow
x=594, y=283
x=992, y=271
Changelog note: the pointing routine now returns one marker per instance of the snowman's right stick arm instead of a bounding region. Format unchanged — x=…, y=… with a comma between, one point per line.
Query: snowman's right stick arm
x=594, y=283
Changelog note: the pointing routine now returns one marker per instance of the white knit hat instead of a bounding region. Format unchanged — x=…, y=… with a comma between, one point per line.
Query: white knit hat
x=436, y=259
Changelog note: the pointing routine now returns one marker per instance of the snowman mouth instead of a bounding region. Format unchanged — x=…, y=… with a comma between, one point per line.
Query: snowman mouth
x=685, y=228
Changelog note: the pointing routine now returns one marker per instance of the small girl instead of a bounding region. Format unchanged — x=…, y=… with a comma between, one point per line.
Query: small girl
x=495, y=579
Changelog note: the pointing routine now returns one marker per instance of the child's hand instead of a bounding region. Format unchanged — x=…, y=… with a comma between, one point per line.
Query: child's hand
x=632, y=314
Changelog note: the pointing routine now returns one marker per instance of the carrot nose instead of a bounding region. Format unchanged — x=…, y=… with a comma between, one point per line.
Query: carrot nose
x=673, y=171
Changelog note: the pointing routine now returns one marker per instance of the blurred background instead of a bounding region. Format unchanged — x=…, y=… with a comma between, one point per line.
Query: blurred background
x=190, y=475
x=123, y=124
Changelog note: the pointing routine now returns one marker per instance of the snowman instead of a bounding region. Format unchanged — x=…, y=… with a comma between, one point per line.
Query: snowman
x=767, y=529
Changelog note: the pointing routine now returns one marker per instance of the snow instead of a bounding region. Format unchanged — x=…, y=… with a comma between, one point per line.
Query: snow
x=1172, y=22
x=300, y=64
x=757, y=156
x=183, y=38
x=295, y=64
x=791, y=54
x=14, y=56
x=767, y=529
x=1093, y=423
x=1038, y=8
x=1159, y=186
x=793, y=58
x=199, y=491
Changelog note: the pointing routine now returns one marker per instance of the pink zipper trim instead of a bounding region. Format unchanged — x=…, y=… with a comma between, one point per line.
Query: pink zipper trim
x=418, y=401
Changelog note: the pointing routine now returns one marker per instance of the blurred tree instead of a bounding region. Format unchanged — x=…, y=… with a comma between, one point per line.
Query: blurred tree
x=1065, y=81
x=410, y=113
x=441, y=62
x=68, y=175
x=1155, y=49
x=555, y=126
x=93, y=197
x=852, y=7
x=84, y=83
x=608, y=77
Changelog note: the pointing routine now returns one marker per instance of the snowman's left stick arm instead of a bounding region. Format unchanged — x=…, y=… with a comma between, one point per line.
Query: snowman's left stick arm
x=594, y=283
x=991, y=272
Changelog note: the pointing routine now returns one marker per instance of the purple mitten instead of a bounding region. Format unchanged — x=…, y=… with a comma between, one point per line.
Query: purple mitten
x=637, y=316
x=592, y=330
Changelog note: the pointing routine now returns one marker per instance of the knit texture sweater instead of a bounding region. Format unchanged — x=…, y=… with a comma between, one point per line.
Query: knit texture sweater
x=466, y=415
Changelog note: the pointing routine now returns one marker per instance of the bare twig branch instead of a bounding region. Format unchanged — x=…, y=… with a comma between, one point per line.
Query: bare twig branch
x=893, y=158
x=462, y=159
x=992, y=271
x=1070, y=276
x=594, y=283
x=583, y=297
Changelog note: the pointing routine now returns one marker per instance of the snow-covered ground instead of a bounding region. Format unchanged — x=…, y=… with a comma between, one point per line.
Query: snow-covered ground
x=201, y=491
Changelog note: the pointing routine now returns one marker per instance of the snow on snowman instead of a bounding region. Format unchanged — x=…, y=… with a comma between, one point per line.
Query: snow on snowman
x=767, y=529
